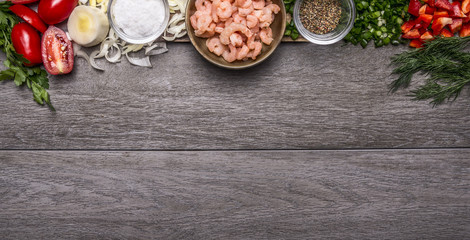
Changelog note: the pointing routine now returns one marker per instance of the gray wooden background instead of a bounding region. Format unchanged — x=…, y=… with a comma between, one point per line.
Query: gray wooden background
x=308, y=145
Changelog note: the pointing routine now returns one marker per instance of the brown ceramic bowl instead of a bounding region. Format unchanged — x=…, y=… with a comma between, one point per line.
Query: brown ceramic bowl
x=278, y=27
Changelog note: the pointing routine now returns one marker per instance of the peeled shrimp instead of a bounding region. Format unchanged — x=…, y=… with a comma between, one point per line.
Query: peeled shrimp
x=257, y=50
x=258, y=4
x=251, y=21
x=242, y=52
x=235, y=29
x=231, y=54
x=225, y=10
x=266, y=35
x=236, y=40
x=229, y=30
x=215, y=46
x=204, y=6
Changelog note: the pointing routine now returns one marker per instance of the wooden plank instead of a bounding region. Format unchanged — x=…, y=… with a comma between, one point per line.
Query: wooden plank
x=389, y=194
x=304, y=97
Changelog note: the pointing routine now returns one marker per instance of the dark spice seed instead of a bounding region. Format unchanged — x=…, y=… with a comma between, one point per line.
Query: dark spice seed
x=320, y=16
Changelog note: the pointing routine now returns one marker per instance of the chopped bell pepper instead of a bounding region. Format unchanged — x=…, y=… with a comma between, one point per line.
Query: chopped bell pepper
x=439, y=24
x=416, y=43
x=429, y=2
x=466, y=6
x=422, y=10
x=426, y=36
x=465, y=31
x=412, y=34
x=444, y=4
x=407, y=26
x=456, y=25
x=457, y=10
x=439, y=14
x=430, y=10
x=446, y=33
x=413, y=7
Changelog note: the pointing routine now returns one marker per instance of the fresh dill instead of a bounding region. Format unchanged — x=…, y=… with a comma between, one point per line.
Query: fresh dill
x=444, y=61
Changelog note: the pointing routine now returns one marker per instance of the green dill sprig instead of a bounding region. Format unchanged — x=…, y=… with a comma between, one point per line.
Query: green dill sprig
x=445, y=63
x=34, y=77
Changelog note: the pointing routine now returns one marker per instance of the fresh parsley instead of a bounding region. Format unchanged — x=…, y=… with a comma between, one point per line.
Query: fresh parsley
x=34, y=77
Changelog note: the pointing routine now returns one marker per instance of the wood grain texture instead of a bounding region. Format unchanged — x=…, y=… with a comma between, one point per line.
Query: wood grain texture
x=388, y=194
x=304, y=97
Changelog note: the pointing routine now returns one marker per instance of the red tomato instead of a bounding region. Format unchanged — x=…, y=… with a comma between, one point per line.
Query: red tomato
x=29, y=16
x=57, y=51
x=27, y=42
x=23, y=1
x=56, y=11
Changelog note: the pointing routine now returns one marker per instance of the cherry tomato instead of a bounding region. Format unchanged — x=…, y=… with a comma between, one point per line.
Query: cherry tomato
x=56, y=11
x=27, y=42
x=29, y=16
x=57, y=51
x=23, y=1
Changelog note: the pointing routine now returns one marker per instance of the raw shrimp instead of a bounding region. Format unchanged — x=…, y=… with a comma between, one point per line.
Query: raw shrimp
x=238, y=19
x=232, y=28
x=236, y=40
x=204, y=6
x=215, y=6
x=215, y=46
x=258, y=4
x=208, y=33
x=273, y=7
x=245, y=11
x=251, y=21
x=225, y=10
x=203, y=22
x=219, y=27
x=257, y=50
x=230, y=55
x=266, y=35
x=243, y=3
x=242, y=52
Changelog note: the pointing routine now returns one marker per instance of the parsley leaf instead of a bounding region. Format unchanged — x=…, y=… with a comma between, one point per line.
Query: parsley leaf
x=34, y=77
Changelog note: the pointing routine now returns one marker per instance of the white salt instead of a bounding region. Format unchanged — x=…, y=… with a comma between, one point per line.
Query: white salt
x=139, y=18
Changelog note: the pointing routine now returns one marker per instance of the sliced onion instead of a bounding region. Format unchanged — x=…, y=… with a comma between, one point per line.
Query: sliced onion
x=139, y=61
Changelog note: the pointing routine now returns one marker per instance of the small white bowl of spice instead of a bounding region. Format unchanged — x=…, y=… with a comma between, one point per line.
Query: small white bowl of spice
x=138, y=21
x=324, y=21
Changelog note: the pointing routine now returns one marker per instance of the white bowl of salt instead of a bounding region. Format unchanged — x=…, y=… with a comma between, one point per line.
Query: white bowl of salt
x=138, y=21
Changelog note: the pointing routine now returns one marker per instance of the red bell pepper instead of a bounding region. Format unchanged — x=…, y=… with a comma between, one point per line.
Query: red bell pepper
x=429, y=2
x=457, y=10
x=439, y=14
x=439, y=24
x=413, y=7
x=408, y=25
x=466, y=6
x=465, y=31
x=412, y=34
x=446, y=33
x=423, y=8
x=456, y=25
x=426, y=36
x=430, y=10
x=416, y=43
x=444, y=4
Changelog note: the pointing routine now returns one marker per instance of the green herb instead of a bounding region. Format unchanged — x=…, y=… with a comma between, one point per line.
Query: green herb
x=378, y=21
x=445, y=63
x=291, y=30
x=35, y=78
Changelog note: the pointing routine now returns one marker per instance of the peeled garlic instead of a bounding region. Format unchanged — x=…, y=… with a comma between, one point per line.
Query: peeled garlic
x=87, y=26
